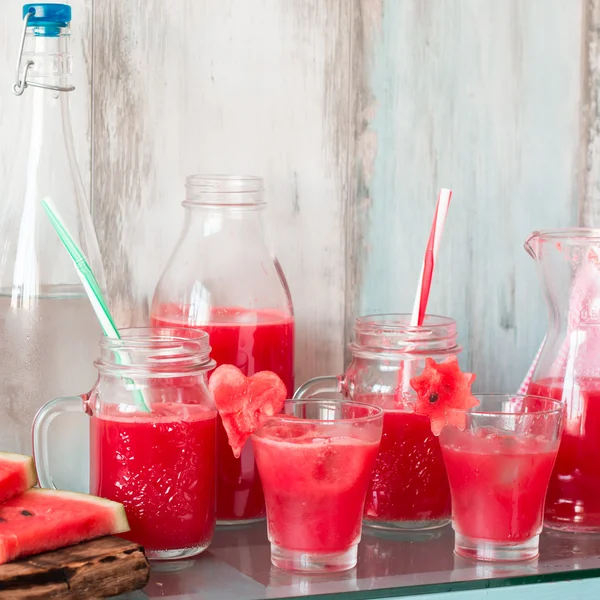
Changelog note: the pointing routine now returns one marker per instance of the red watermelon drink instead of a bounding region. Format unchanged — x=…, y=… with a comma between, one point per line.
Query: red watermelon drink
x=222, y=277
x=409, y=490
x=253, y=341
x=499, y=456
x=161, y=466
x=315, y=462
x=152, y=437
x=409, y=484
x=573, y=501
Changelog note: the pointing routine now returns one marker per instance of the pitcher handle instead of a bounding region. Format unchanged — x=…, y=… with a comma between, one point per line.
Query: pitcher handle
x=319, y=385
x=41, y=425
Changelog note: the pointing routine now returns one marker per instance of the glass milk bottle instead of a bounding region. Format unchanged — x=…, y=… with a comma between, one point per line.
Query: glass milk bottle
x=48, y=331
x=223, y=279
x=409, y=489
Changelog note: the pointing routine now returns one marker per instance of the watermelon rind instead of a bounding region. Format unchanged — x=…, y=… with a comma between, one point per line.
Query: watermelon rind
x=120, y=523
x=30, y=474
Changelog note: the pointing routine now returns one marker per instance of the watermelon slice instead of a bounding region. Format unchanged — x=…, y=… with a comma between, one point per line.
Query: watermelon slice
x=40, y=520
x=440, y=387
x=245, y=403
x=17, y=474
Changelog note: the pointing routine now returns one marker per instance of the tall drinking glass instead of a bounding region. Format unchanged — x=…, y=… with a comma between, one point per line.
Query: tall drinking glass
x=499, y=467
x=315, y=461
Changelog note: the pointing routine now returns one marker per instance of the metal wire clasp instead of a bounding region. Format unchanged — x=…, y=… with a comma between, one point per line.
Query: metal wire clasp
x=21, y=83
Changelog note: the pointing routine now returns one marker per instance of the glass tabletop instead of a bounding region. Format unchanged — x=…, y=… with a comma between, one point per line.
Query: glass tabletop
x=237, y=566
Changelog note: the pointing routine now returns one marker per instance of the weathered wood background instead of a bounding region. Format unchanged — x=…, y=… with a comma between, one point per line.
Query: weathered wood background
x=355, y=112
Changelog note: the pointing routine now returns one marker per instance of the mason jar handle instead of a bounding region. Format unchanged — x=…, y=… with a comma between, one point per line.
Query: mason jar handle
x=319, y=385
x=41, y=425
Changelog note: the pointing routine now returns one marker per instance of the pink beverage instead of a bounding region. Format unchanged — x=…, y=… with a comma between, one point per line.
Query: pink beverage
x=409, y=490
x=161, y=466
x=409, y=479
x=315, y=474
x=253, y=341
x=152, y=437
x=223, y=277
x=493, y=475
x=573, y=501
x=498, y=469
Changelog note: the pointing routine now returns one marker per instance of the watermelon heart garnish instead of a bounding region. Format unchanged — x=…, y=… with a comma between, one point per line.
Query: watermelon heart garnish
x=440, y=387
x=245, y=403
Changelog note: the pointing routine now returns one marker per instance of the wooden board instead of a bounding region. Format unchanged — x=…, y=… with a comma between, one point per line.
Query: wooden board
x=98, y=569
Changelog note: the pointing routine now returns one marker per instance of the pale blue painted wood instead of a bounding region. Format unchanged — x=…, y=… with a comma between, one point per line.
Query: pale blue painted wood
x=483, y=97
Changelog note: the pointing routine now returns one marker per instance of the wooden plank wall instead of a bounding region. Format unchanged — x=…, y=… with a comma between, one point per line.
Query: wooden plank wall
x=355, y=113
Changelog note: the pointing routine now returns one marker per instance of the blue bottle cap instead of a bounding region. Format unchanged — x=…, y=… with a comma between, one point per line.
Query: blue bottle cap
x=42, y=15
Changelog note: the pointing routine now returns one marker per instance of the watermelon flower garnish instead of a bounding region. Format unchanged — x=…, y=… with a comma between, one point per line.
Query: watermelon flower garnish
x=245, y=403
x=440, y=388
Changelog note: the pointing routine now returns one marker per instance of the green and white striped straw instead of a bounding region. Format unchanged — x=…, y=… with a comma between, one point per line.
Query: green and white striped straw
x=93, y=291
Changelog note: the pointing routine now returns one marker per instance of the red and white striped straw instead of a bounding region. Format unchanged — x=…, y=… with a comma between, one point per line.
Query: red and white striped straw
x=431, y=252
x=424, y=286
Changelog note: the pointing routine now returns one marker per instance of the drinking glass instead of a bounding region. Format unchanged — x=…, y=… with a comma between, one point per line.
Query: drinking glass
x=153, y=427
x=499, y=467
x=315, y=460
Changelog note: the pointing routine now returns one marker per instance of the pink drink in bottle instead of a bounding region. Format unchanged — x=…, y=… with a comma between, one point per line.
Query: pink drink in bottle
x=222, y=278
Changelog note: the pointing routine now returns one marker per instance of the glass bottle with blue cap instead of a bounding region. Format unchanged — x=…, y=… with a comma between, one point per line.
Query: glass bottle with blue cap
x=48, y=332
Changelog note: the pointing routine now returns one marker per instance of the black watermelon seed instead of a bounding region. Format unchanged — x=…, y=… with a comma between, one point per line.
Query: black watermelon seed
x=26, y=513
x=2, y=520
x=433, y=397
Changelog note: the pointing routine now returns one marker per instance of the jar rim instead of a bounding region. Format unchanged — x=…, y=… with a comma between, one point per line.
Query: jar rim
x=160, y=351
x=392, y=333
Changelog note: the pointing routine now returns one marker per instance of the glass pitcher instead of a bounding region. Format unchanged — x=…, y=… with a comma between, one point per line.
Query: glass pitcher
x=409, y=489
x=568, y=369
x=222, y=278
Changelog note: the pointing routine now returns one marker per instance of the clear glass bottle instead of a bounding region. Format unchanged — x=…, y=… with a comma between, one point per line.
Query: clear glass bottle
x=222, y=278
x=410, y=488
x=48, y=331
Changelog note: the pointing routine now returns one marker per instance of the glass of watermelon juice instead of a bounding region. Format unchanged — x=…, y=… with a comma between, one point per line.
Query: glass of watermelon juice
x=499, y=467
x=152, y=437
x=315, y=461
x=409, y=489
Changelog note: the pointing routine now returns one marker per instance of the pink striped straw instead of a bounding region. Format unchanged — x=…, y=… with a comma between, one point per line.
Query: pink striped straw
x=431, y=252
x=424, y=285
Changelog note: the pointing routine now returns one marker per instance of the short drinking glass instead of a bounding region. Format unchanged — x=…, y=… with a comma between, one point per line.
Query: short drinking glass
x=499, y=467
x=315, y=461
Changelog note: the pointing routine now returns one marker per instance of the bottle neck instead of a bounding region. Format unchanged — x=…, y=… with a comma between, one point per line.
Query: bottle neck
x=49, y=54
x=243, y=220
